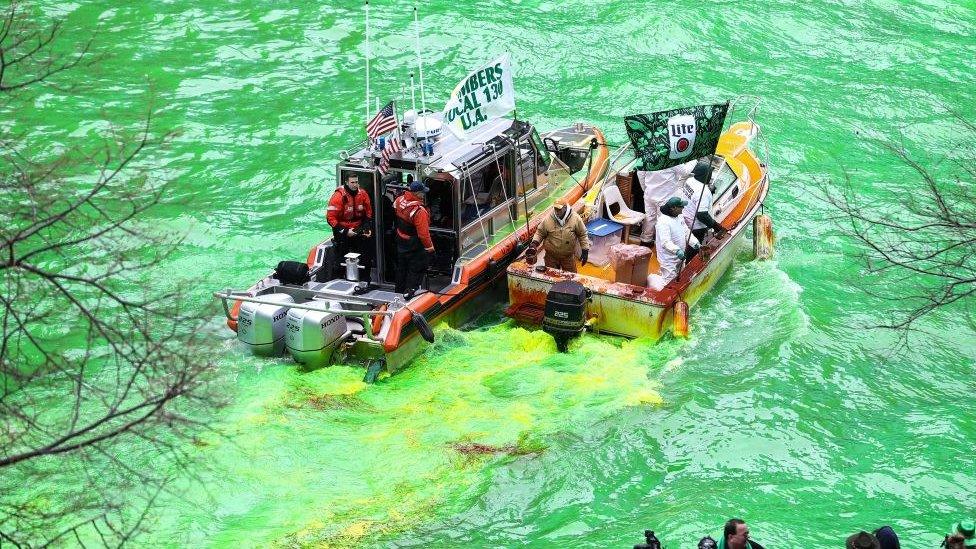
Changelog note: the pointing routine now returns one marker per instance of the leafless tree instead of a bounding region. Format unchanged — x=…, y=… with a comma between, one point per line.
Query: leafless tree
x=100, y=369
x=924, y=238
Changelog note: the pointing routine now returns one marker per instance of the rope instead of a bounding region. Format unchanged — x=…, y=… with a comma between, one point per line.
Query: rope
x=474, y=197
x=498, y=167
x=525, y=192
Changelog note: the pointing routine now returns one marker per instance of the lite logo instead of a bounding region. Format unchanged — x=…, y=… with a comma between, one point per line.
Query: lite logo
x=681, y=135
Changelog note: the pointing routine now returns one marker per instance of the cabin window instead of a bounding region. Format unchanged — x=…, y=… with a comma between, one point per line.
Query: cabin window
x=487, y=200
x=440, y=200
x=527, y=166
x=543, y=152
x=364, y=177
x=366, y=181
x=723, y=179
x=483, y=190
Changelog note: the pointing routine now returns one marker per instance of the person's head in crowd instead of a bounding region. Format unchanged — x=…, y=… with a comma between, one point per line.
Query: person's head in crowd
x=707, y=543
x=863, y=540
x=955, y=541
x=887, y=538
x=967, y=530
x=736, y=534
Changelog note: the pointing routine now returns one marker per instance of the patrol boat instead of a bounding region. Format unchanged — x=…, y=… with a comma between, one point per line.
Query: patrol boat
x=487, y=194
x=614, y=293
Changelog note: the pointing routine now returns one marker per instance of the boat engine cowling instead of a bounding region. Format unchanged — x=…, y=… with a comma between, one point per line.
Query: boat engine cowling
x=312, y=337
x=261, y=326
x=565, y=312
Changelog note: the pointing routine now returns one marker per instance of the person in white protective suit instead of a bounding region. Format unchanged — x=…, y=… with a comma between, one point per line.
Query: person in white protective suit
x=697, y=192
x=672, y=234
x=658, y=186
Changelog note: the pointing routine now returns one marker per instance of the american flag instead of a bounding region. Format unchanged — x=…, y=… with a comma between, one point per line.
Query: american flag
x=384, y=121
x=392, y=146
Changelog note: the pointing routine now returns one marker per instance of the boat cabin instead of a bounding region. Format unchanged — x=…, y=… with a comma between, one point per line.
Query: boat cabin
x=479, y=188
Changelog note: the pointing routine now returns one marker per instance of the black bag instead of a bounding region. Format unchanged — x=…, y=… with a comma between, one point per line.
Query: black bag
x=294, y=273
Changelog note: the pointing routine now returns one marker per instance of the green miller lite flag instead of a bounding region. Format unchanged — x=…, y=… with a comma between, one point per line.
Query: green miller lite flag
x=668, y=138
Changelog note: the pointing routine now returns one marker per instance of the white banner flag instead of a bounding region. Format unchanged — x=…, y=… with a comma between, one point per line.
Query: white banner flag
x=483, y=95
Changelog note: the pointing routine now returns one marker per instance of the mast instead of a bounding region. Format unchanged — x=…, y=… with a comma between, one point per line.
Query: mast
x=368, y=55
x=413, y=96
x=420, y=61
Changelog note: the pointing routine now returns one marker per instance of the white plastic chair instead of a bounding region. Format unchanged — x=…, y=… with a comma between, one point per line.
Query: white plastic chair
x=624, y=216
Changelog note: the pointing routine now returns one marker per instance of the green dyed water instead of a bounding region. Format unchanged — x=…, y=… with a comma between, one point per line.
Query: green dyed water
x=781, y=409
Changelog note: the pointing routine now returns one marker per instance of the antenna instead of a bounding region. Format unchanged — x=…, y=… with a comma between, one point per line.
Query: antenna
x=368, y=55
x=420, y=61
x=413, y=96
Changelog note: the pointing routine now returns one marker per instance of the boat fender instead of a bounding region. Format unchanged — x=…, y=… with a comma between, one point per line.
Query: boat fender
x=762, y=237
x=680, y=319
x=292, y=273
x=235, y=310
x=378, y=320
x=422, y=326
x=373, y=371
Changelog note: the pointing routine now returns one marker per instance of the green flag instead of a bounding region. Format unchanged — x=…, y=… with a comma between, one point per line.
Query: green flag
x=668, y=138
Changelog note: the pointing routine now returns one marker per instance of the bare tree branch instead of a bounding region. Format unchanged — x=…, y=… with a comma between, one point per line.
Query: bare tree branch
x=97, y=357
x=925, y=239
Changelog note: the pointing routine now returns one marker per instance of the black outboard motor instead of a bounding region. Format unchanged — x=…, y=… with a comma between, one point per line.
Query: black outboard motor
x=651, y=541
x=573, y=156
x=565, y=313
x=292, y=273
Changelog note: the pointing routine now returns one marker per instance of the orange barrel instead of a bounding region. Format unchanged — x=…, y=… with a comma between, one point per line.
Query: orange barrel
x=762, y=237
x=680, y=319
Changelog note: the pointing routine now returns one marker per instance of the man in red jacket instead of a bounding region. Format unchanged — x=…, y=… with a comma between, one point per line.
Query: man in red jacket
x=414, y=246
x=350, y=215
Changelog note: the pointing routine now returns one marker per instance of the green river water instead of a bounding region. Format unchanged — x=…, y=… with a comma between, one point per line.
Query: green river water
x=782, y=408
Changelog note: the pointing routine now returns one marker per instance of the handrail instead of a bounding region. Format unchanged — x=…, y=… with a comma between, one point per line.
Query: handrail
x=365, y=315
x=614, y=159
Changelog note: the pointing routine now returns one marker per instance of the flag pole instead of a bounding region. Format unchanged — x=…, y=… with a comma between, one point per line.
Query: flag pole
x=413, y=95
x=397, y=120
x=420, y=61
x=368, y=55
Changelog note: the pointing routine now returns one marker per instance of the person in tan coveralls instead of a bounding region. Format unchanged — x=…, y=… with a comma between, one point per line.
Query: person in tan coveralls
x=559, y=234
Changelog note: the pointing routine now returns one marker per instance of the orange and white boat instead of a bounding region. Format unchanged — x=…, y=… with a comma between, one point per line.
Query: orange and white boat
x=488, y=192
x=611, y=294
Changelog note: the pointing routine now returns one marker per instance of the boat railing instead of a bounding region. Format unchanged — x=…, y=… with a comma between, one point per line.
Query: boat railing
x=751, y=118
x=366, y=316
x=610, y=169
x=345, y=154
x=751, y=113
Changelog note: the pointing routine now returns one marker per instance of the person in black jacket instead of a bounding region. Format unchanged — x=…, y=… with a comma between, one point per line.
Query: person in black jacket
x=736, y=536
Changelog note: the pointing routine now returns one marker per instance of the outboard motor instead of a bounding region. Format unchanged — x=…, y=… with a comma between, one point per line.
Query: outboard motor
x=569, y=150
x=565, y=312
x=312, y=337
x=261, y=326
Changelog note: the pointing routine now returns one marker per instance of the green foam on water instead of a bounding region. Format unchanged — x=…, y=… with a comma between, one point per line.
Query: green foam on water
x=323, y=457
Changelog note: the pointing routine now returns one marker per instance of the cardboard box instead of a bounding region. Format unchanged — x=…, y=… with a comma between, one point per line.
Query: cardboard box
x=630, y=263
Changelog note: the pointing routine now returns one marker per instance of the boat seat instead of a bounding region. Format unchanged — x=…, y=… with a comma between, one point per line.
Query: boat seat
x=625, y=216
